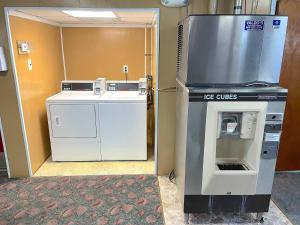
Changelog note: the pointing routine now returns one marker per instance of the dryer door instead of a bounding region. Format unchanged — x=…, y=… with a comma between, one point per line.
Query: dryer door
x=73, y=121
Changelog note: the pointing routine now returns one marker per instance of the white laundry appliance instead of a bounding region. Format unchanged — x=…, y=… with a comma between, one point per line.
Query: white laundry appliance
x=73, y=119
x=107, y=125
x=123, y=121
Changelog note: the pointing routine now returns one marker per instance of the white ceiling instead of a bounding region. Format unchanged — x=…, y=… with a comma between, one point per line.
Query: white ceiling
x=127, y=17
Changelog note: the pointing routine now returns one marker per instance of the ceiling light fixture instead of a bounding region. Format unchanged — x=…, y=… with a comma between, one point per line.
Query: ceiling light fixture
x=90, y=14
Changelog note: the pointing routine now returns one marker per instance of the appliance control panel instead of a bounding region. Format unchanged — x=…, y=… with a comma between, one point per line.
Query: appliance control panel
x=120, y=86
x=272, y=135
x=77, y=86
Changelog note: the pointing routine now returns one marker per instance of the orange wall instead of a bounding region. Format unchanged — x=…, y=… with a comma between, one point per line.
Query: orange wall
x=38, y=84
x=92, y=52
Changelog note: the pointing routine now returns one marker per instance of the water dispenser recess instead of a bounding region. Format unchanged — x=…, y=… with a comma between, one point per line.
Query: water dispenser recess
x=231, y=156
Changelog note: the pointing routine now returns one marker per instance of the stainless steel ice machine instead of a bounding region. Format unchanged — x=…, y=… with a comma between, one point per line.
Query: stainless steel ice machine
x=229, y=112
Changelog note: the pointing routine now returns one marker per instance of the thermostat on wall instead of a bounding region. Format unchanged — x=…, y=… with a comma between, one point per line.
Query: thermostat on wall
x=23, y=47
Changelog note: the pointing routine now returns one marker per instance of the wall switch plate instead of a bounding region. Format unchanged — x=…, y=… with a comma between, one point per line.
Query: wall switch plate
x=125, y=69
x=29, y=64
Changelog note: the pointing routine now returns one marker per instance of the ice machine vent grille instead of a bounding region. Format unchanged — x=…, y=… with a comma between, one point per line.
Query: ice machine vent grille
x=231, y=166
x=179, y=50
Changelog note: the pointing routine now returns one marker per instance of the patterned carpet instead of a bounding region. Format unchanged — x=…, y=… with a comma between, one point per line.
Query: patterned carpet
x=99, y=200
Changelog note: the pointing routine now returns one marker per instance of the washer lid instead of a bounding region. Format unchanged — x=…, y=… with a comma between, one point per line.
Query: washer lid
x=78, y=96
x=126, y=96
x=89, y=96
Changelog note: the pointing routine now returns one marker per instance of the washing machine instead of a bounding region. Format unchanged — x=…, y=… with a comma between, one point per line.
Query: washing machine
x=73, y=120
x=123, y=117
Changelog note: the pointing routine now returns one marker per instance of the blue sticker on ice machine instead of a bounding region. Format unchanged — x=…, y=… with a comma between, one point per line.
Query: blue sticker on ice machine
x=253, y=25
x=276, y=24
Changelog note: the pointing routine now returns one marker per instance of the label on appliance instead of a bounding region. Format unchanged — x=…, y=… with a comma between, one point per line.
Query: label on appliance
x=220, y=96
x=276, y=24
x=254, y=25
x=231, y=127
x=275, y=137
x=210, y=97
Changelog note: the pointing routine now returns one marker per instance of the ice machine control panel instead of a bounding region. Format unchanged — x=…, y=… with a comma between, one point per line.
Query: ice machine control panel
x=272, y=135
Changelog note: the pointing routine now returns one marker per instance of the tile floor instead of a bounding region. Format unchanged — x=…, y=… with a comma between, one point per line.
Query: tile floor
x=50, y=168
x=174, y=216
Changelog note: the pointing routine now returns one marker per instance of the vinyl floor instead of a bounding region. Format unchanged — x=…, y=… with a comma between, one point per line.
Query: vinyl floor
x=286, y=194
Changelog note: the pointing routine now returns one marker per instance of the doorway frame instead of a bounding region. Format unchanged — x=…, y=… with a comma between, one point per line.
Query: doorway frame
x=7, y=11
x=4, y=148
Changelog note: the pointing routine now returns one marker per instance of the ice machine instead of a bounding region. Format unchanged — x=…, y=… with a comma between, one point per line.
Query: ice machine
x=229, y=111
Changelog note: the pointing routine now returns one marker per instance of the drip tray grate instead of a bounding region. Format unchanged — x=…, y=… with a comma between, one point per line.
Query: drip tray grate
x=231, y=166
